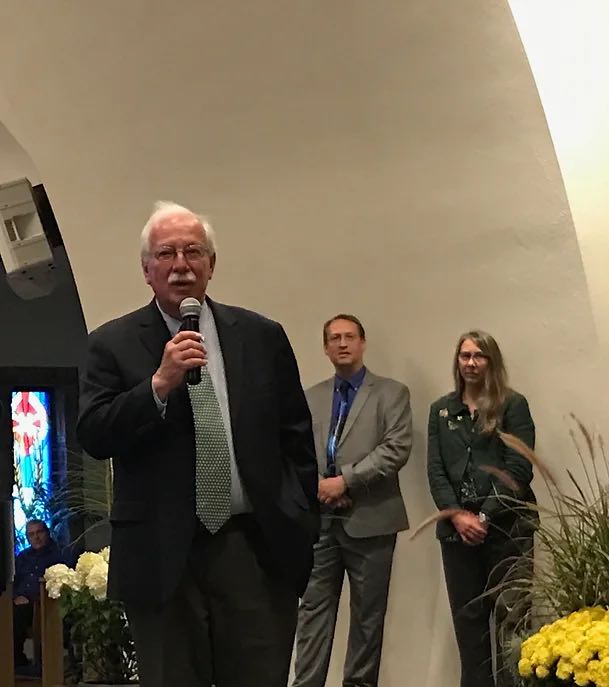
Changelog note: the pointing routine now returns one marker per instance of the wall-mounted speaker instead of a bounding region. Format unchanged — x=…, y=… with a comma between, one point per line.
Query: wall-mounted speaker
x=24, y=246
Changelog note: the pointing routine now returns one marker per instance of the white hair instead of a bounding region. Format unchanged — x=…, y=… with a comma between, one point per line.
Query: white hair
x=164, y=209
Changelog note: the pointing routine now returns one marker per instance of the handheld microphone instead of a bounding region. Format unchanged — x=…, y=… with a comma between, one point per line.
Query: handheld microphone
x=190, y=310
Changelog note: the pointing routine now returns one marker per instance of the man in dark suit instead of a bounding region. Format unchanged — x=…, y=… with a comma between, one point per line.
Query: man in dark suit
x=215, y=485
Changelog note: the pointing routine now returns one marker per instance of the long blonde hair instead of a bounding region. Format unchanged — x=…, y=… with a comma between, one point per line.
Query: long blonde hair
x=495, y=389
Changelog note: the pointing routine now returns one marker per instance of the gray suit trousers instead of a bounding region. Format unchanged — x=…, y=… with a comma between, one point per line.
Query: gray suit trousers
x=367, y=562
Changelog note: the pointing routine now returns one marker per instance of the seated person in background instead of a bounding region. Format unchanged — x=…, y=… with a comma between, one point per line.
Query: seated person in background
x=30, y=565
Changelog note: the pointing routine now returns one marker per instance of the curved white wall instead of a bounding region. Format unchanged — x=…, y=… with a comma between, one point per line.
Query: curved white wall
x=391, y=159
x=567, y=45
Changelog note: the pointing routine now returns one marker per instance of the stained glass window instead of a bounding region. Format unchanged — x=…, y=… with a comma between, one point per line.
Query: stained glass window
x=31, y=416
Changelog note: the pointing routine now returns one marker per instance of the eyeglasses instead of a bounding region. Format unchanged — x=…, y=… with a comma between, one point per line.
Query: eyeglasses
x=337, y=338
x=476, y=357
x=192, y=253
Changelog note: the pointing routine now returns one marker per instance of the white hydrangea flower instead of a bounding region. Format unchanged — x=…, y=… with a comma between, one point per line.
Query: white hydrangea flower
x=59, y=576
x=54, y=571
x=86, y=561
x=91, y=573
x=54, y=578
x=97, y=580
x=74, y=580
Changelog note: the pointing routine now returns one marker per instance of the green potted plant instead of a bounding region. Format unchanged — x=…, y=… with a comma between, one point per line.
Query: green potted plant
x=100, y=638
x=569, y=590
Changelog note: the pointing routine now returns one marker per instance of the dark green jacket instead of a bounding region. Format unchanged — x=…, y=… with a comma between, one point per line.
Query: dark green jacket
x=453, y=439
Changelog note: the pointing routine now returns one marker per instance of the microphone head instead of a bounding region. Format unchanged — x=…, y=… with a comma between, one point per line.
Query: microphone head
x=190, y=307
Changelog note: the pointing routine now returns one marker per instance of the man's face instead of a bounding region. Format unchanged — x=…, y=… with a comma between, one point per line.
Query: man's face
x=37, y=535
x=344, y=346
x=178, y=265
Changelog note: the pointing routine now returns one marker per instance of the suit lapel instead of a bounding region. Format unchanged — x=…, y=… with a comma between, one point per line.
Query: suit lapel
x=154, y=333
x=327, y=397
x=231, y=343
x=358, y=403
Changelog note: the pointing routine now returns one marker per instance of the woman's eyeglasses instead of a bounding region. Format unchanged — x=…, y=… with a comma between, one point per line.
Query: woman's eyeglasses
x=476, y=357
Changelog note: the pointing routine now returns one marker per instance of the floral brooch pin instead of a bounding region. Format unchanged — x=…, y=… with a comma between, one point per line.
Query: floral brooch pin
x=443, y=412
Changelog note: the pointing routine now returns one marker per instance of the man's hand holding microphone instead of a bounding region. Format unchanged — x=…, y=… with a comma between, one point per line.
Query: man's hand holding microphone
x=184, y=355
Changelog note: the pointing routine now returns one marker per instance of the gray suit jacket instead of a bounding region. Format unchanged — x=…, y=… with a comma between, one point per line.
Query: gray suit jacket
x=374, y=446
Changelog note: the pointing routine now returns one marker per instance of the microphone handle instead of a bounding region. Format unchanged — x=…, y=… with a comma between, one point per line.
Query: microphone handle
x=191, y=324
x=193, y=376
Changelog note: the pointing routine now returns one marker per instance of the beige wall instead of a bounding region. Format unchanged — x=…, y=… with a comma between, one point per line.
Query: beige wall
x=390, y=159
x=15, y=163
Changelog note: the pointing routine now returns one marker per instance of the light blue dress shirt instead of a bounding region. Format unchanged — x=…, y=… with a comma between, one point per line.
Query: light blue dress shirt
x=215, y=365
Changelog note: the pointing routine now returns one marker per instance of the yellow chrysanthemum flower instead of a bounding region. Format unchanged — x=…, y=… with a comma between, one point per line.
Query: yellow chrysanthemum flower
x=524, y=667
x=574, y=647
x=564, y=669
x=581, y=658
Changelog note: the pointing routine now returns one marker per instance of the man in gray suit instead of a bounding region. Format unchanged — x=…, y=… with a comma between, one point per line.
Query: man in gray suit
x=363, y=434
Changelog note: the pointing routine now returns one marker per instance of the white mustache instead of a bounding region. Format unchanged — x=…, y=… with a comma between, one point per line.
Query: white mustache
x=182, y=278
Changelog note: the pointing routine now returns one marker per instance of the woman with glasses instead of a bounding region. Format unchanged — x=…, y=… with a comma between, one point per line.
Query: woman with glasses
x=482, y=483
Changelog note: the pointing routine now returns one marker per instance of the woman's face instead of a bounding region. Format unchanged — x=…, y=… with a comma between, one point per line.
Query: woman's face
x=473, y=363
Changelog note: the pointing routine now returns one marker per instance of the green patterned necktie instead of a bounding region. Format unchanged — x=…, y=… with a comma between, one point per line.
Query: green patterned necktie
x=212, y=472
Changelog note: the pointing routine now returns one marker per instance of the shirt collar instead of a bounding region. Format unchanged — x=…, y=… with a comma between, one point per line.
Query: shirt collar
x=49, y=547
x=174, y=324
x=355, y=381
x=456, y=406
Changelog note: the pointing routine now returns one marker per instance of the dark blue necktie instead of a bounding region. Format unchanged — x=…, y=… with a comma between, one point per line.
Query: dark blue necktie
x=337, y=430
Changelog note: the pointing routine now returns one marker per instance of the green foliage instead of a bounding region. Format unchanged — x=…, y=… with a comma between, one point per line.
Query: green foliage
x=573, y=537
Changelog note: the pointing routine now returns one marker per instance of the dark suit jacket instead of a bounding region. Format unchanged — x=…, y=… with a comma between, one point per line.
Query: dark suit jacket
x=452, y=441
x=153, y=514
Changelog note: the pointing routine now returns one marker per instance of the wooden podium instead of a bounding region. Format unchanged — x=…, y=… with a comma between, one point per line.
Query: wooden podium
x=50, y=640
x=7, y=668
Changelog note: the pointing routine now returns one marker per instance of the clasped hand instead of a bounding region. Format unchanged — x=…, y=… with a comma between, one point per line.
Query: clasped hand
x=469, y=527
x=332, y=491
x=184, y=352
